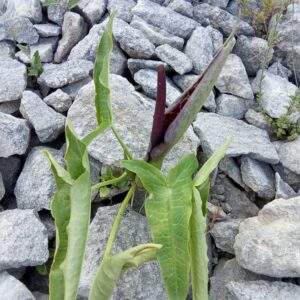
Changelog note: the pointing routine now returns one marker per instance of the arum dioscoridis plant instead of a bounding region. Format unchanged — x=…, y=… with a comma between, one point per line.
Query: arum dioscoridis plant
x=176, y=203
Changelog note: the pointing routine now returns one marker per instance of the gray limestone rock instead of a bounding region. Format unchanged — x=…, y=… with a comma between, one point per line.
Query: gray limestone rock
x=175, y=58
x=72, y=89
x=213, y=130
x=257, y=119
x=218, y=3
x=134, y=65
x=58, y=75
x=10, y=168
x=24, y=240
x=2, y=188
x=122, y=7
x=233, y=79
x=40, y=296
x=45, y=47
x=56, y=11
x=59, y=100
x=164, y=18
x=13, y=289
x=288, y=176
x=48, y=222
x=231, y=106
x=73, y=30
x=216, y=38
x=47, y=123
x=13, y=79
x=47, y=30
x=92, y=10
x=268, y=244
x=6, y=49
x=10, y=107
x=36, y=186
x=259, y=176
x=14, y=135
x=278, y=69
x=283, y=190
x=139, y=283
x=183, y=7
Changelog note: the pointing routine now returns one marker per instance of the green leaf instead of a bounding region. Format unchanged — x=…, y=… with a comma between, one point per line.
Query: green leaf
x=36, y=67
x=72, y=4
x=204, y=193
x=42, y=270
x=104, y=192
x=168, y=210
x=50, y=2
x=112, y=267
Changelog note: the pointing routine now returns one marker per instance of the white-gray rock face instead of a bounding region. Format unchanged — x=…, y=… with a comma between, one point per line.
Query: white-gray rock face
x=231, y=106
x=36, y=186
x=10, y=107
x=10, y=168
x=134, y=65
x=13, y=289
x=257, y=119
x=2, y=188
x=72, y=89
x=45, y=47
x=216, y=38
x=276, y=91
x=283, y=190
x=56, y=11
x=122, y=7
x=47, y=30
x=164, y=18
x=268, y=244
x=278, y=69
x=59, y=100
x=233, y=79
x=47, y=123
x=218, y=3
x=92, y=10
x=288, y=176
x=139, y=283
x=13, y=79
x=14, y=135
x=259, y=176
x=6, y=49
x=183, y=7
x=213, y=130
x=148, y=80
x=24, y=240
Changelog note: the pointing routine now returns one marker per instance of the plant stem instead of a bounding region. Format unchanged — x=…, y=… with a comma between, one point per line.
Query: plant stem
x=125, y=149
x=109, y=182
x=117, y=220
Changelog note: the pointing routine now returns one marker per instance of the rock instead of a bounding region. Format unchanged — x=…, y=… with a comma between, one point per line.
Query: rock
x=10, y=168
x=24, y=239
x=13, y=289
x=59, y=100
x=122, y=7
x=58, y=75
x=47, y=30
x=72, y=89
x=92, y=10
x=134, y=65
x=224, y=233
x=278, y=69
x=16, y=134
x=40, y=296
x=183, y=7
x=48, y=222
x=231, y=106
x=2, y=188
x=288, y=176
x=259, y=177
x=220, y=19
x=213, y=130
x=156, y=35
x=132, y=40
x=6, y=49
x=37, y=173
x=164, y=18
x=73, y=30
x=266, y=244
x=148, y=80
x=45, y=47
x=56, y=11
x=276, y=93
x=139, y=283
x=257, y=119
x=252, y=51
x=234, y=80
x=261, y=290
x=218, y=3
x=216, y=38
x=13, y=79
x=283, y=190
x=47, y=123
x=199, y=49
x=175, y=58
x=10, y=107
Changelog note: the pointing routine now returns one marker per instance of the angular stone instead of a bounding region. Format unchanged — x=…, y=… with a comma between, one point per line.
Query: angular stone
x=48, y=222
x=139, y=283
x=13, y=79
x=92, y=10
x=6, y=49
x=73, y=30
x=40, y=296
x=259, y=177
x=2, y=188
x=231, y=106
x=220, y=19
x=58, y=75
x=134, y=65
x=10, y=107
x=10, y=168
x=257, y=119
x=47, y=123
x=288, y=176
x=183, y=7
x=59, y=100
x=213, y=130
x=122, y=7
x=283, y=190
x=216, y=38
x=23, y=238
x=14, y=134
x=148, y=80
x=164, y=18
x=276, y=91
x=234, y=80
x=47, y=30
x=268, y=244
x=56, y=11
x=218, y=3
x=45, y=47
x=278, y=69
x=72, y=89
x=37, y=173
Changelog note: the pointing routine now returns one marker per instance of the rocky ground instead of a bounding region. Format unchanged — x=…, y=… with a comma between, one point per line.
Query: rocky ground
x=254, y=208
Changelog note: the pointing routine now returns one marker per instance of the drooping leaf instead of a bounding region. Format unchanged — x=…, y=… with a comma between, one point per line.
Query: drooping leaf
x=168, y=210
x=36, y=67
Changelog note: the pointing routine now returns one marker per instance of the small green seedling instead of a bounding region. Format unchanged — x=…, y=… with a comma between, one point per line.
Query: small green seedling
x=35, y=69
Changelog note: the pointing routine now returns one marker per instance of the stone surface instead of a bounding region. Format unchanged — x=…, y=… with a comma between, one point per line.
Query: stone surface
x=59, y=100
x=48, y=222
x=165, y=18
x=278, y=69
x=216, y=38
x=47, y=123
x=45, y=47
x=36, y=186
x=276, y=91
x=122, y=7
x=259, y=176
x=213, y=130
x=283, y=190
x=58, y=75
x=234, y=80
x=257, y=119
x=24, y=239
x=231, y=106
x=13, y=289
x=134, y=65
x=10, y=168
x=72, y=89
x=139, y=283
x=218, y=3
x=56, y=11
x=13, y=79
x=268, y=244
x=16, y=134
x=73, y=30
x=47, y=30
x=92, y=10
x=183, y=7
x=10, y=107
x=6, y=49
x=2, y=188
x=40, y=296
x=288, y=176
x=148, y=80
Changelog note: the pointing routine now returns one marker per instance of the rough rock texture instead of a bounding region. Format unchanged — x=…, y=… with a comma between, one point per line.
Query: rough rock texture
x=216, y=38
x=10, y=168
x=278, y=69
x=283, y=190
x=288, y=176
x=45, y=47
x=257, y=119
x=268, y=244
x=36, y=186
x=122, y=7
x=2, y=188
x=92, y=10
x=10, y=107
x=56, y=11
x=231, y=106
x=47, y=30
x=134, y=65
x=59, y=100
x=72, y=89
x=23, y=238
x=141, y=283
